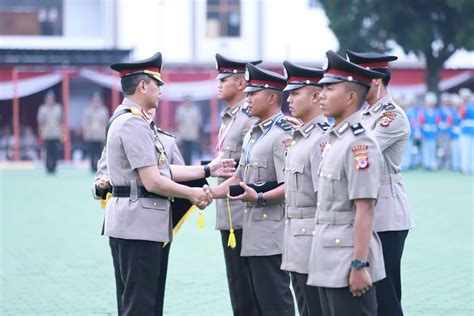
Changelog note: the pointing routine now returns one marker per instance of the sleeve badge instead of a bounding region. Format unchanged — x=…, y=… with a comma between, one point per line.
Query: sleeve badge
x=387, y=118
x=361, y=156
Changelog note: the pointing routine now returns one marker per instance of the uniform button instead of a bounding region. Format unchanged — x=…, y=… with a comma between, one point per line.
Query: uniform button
x=314, y=232
x=264, y=215
x=321, y=174
x=317, y=204
x=255, y=163
x=329, y=175
x=303, y=230
x=338, y=241
x=228, y=147
x=245, y=211
x=293, y=169
x=154, y=203
x=286, y=222
x=286, y=196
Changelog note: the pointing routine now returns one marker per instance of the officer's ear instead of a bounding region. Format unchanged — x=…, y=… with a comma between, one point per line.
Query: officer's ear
x=241, y=82
x=315, y=95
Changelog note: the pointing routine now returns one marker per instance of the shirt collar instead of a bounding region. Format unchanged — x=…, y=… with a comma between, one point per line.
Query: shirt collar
x=376, y=108
x=307, y=128
x=232, y=111
x=345, y=125
x=267, y=123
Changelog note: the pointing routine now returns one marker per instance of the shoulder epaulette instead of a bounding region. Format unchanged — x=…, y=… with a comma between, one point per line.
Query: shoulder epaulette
x=323, y=125
x=164, y=132
x=283, y=124
x=246, y=110
x=357, y=129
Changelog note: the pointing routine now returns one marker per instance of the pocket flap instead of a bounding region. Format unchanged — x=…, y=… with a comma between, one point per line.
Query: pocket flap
x=258, y=162
x=230, y=146
x=303, y=227
x=156, y=204
x=297, y=167
x=338, y=239
x=330, y=174
x=265, y=214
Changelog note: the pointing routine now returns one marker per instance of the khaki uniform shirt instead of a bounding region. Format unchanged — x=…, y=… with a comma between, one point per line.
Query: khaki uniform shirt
x=263, y=226
x=392, y=131
x=236, y=122
x=49, y=119
x=301, y=183
x=188, y=119
x=94, y=122
x=131, y=145
x=350, y=169
x=167, y=140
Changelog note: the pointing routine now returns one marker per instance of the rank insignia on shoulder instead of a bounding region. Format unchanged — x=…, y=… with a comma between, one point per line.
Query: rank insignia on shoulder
x=361, y=156
x=135, y=111
x=323, y=125
x=387, y=118
x=246, y=110
x=283, y=124
x=357, y=129
x=386, y=107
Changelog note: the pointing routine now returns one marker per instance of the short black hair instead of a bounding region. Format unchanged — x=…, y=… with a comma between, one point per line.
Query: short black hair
x=360, y=90
x=387, y=75
x=129, y=83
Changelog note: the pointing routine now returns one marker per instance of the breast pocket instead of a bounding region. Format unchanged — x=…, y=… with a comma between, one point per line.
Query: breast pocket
x=260, y=166
x=267, y=214
x=296, y=171
x=331, y=185
x=230, y=148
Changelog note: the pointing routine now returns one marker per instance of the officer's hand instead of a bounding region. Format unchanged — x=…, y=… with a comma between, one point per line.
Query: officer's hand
x=250, y=195
x=201, y=197
x=293, y=121
x=222, y=167
x=359, y=281
x=103, y=183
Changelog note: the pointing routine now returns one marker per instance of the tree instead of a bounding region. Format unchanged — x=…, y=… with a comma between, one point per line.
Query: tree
x=432, y=29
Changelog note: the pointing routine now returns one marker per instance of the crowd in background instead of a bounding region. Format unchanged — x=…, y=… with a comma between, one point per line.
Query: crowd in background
x=442, y=132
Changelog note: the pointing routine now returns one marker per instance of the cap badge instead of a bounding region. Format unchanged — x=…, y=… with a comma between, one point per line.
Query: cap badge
x=325, y=64
x=247, y=75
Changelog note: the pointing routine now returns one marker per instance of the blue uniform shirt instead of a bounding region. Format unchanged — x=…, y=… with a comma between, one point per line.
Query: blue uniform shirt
x=428, y=120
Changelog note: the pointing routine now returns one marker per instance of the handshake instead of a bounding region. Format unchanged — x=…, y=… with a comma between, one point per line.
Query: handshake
x=201, y=197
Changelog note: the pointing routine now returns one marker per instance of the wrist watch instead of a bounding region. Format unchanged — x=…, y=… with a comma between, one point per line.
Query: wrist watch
x=207, y=171
x=358, y=264
x=260, y=200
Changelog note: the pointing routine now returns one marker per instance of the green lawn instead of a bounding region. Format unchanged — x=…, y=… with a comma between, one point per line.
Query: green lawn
x=54, y=262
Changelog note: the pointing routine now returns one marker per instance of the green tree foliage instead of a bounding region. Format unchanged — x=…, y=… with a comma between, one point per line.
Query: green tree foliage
x=432, y=29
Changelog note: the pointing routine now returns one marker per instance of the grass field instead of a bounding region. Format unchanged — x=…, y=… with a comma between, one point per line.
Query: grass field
x=54, y=261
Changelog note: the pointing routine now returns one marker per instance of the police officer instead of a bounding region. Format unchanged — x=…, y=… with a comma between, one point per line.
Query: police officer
x=94, y=121
x=261, y=168
x=236, y=121
x=137, y=218
x=49, y=118
x=346, y=256
x=301, y=165
x=393, y=217
x=467, y=131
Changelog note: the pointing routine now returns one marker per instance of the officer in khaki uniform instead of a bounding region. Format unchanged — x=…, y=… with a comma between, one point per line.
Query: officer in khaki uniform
x=261, y=166
x=137, y=217
x=236, y=121
x=346, y=254
x=49, y=118
x=393, y=218
x=301, y=165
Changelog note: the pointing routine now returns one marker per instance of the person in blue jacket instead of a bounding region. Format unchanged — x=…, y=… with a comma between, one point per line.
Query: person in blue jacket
x=444, y=127
x=467, y=132
x=428, y=119
x=408, y=104
x=455, y=132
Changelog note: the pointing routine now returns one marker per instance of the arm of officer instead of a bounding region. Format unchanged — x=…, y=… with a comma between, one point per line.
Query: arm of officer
x=363, y=166
x=218, y=168
x=101, y=180
x=154, y=182
x=391, y=128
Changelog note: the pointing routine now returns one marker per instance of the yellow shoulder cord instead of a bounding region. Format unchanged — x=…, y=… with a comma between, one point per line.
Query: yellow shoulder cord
x=232, y=243
x=103, y=203
x=201, y=220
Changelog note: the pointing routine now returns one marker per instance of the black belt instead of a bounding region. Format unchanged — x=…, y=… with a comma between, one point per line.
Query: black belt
x=124, y=191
